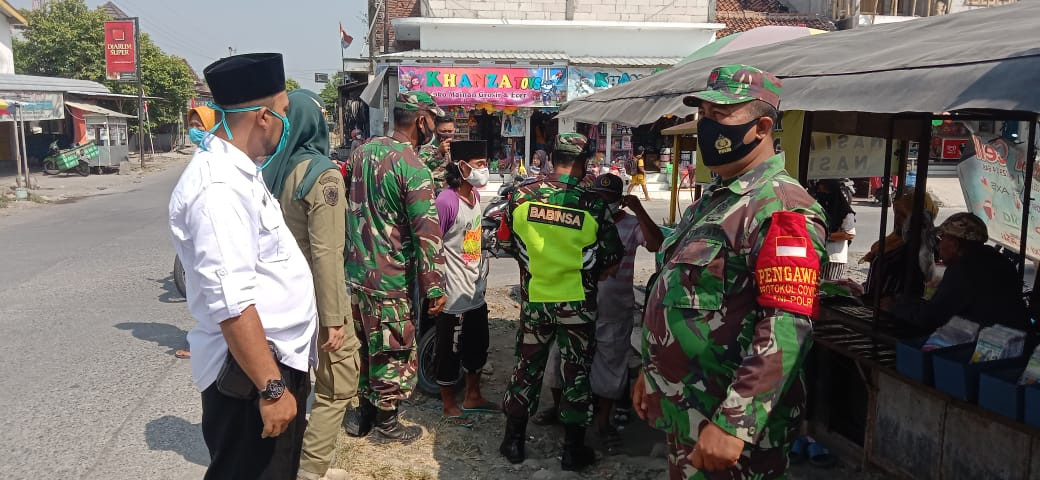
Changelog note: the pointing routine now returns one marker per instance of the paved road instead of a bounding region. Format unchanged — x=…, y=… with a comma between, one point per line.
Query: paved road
x=90, y=317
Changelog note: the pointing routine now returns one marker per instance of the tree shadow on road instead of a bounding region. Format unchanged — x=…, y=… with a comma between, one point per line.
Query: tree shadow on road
x=163, y=334
x=178, y=435
x=169, y=293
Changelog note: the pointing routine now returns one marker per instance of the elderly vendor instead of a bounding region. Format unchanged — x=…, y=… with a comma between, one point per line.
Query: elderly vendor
x=980, y=284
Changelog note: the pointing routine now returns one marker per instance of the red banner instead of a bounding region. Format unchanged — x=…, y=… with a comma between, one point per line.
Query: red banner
x=120, y=50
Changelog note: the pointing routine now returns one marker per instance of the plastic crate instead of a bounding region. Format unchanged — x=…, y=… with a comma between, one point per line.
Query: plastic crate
x=916, y=363
x=960, y=379
x=1031, y=408
x=999, y=392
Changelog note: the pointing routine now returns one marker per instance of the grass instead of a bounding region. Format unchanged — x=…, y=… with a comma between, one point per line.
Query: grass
x=37, y=198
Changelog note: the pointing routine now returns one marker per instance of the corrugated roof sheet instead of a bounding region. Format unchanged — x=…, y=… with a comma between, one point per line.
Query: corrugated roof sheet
x=475, y=55
x=626, y=61
x=33, y=83
x=531, y=56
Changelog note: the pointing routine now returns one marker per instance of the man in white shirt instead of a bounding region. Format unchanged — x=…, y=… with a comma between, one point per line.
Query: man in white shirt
x=248, y=284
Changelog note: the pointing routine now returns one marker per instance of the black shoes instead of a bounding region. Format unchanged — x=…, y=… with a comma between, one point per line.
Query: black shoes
x=513, y=443
x=576, y=455
x=364, y=420
x=390, y=428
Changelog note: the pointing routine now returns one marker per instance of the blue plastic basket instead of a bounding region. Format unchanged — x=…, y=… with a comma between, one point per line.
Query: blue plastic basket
x=999, y=392
x=955, y=376
x=916, y=363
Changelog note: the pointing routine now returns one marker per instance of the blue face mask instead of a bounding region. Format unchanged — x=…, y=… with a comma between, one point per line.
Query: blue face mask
x=196, y=136
x=223, y=121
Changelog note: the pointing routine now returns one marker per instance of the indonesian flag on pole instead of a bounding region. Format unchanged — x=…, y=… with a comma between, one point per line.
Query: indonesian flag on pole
x=344, y=39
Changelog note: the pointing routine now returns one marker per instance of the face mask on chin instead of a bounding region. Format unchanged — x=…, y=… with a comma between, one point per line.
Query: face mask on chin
x=722, y=144
x=614, y=207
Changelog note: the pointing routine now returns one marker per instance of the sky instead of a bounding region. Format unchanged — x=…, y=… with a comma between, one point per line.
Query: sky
x=306, y=32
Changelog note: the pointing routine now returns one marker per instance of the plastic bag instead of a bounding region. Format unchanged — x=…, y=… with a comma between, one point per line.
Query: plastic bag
x=998, y=342
x=1031, y=375
x=957, y=331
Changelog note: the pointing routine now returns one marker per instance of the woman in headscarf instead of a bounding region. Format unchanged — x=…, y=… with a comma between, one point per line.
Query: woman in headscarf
x=312, y=195
x=841, y=227
x=200, y=120
x=895, y=248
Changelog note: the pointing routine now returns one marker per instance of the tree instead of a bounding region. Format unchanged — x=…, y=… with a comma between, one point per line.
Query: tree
x=291, y=85
x=330, y=92
x=66, y=39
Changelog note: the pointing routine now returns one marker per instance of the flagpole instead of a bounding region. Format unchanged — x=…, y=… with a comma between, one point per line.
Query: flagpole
x=339, y=111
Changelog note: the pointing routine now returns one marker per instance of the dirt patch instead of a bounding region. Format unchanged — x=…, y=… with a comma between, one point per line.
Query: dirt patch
x=452, y=452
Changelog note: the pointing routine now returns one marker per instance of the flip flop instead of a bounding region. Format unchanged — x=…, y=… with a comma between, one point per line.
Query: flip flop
x=797, y=454
x=486, y=407
x=820, y=456
x=459, y=420
x=548, y=416
x=182, y=354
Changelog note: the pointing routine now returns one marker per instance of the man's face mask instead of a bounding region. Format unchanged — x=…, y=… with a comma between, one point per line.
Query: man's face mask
x=722, y=144
x=424, y=132
x=282, y=141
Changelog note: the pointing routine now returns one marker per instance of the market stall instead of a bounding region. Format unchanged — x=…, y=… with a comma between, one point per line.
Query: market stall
x=904, y=84
x=106, y=128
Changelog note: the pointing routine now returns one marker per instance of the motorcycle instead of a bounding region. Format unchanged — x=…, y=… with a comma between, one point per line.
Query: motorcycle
x=73, y=159
x=494, y=215
x=178, y=276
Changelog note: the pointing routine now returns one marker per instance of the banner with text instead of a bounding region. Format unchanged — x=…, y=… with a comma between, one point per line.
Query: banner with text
x=583, y=81
x=517, y=87
x=992, y=177
x=34, y=106
x=833, y=155
x=120, y=50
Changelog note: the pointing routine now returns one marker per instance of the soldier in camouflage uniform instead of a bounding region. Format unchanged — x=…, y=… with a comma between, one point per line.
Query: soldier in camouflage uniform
x=392, y=236
x=436, y=155
x=728, y=320
x=565, y=242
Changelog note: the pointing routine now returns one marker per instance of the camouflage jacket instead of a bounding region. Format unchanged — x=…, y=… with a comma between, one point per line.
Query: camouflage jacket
x=712, y=351
x=564, y=190
x=392, y=228
x=430, y=155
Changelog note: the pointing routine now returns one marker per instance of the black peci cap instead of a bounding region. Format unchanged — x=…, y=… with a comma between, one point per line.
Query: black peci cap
x=241, y=78
x=468, y=149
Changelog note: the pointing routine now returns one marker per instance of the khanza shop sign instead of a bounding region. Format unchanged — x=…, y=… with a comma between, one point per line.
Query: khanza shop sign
x=518, y=87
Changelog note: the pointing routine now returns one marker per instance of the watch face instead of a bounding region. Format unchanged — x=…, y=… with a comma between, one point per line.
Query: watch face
x=274, y=390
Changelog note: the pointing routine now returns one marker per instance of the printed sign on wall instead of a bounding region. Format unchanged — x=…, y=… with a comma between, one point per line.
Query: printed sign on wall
x=519, y=87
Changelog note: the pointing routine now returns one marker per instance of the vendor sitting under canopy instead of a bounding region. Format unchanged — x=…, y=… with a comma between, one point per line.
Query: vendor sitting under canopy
x=895, y=256
x=980, y=284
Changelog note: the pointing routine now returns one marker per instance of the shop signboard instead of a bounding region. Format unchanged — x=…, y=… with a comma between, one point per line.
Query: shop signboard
x=35, y=106
x=831, y=155
x=513, y=87
x=120, y=50
x=582, y=81
x=992, y=178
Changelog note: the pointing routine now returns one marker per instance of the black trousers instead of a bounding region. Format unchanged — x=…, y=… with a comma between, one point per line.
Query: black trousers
x=464, y=342
x=232, y=428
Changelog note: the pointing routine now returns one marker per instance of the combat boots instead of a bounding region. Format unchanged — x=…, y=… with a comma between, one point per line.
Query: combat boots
x=364, y=419
x=576, y=455
x=513, y=443
x=390, y=428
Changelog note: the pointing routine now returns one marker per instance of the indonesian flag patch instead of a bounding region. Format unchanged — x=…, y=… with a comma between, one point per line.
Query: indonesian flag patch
x=788, y=267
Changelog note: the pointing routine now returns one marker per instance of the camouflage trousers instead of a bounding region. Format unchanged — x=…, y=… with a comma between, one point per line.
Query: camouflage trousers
x=388, y=363
x=754, y=464
x=573, y=330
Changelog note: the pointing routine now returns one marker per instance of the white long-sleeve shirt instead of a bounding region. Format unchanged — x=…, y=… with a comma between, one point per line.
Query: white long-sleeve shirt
x=229, y=233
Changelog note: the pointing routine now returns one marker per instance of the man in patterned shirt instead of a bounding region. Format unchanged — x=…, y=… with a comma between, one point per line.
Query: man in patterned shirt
x=393, y=235
x=728, y=320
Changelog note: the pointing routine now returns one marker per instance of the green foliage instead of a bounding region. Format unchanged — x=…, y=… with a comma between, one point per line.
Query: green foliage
x=66, y=39
x=330, y=92
x=291, y=85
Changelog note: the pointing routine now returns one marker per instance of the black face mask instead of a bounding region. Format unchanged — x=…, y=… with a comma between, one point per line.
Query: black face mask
x=424, y=135
x=722, y=144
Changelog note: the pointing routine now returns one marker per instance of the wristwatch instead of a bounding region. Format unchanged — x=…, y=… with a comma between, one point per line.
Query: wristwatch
x=273, y=390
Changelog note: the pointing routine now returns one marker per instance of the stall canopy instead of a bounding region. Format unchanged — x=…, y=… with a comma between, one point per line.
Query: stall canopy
x=981, y=59
x=99, y=110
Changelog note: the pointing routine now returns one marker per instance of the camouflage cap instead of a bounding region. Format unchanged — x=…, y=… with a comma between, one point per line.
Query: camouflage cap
x=573, y=143
x=419, y=100
x=965, y=226
x=734, y=84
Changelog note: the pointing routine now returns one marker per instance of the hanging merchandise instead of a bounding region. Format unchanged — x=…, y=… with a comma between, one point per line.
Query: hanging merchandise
x=513, y=125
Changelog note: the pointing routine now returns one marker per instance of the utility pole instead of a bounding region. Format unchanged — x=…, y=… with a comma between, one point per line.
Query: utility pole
x=140, y=89
x=386, y=28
